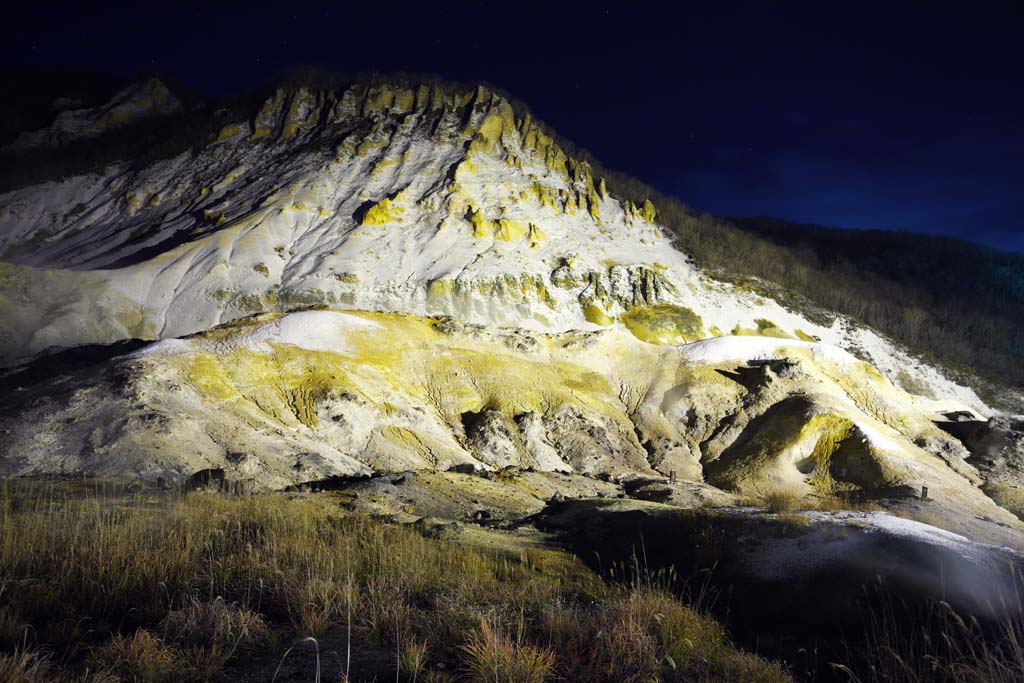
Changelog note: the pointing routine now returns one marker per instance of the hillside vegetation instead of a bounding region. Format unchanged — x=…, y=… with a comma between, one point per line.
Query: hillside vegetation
x=960, y=301
x=954, y=302
x=103, y=584
x=98, y=585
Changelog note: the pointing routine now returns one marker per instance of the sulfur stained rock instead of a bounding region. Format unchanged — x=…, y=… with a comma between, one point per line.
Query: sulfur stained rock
x=495, y=275
x=319, y=394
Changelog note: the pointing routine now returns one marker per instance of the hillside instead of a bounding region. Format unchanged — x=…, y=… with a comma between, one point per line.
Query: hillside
x=951, y=302
x=959, y=302
x=954, y=302
x=422, y=199
x=415, y=295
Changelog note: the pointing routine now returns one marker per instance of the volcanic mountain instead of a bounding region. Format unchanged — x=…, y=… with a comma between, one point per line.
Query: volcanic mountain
x=388, y=276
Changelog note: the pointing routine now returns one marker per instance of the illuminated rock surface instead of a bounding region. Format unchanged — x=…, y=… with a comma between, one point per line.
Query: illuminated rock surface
x=382, y=279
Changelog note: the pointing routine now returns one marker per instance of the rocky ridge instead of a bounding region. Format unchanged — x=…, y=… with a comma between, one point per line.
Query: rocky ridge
x=146, y=100
x=425, y=200
x=386, y=278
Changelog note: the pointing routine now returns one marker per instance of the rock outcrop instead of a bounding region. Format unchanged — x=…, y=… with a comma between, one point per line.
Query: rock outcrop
x=996, y=448
x=146, y=100
x=311, y=395
x=384, y=278
x=423, y=200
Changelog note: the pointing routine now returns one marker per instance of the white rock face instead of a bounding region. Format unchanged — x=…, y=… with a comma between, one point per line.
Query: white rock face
x=387, y=279
x=386, y=199
x=281, y=400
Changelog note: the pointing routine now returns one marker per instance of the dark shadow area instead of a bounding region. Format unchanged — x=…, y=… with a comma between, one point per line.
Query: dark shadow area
x=805, y=594
x=47, y=366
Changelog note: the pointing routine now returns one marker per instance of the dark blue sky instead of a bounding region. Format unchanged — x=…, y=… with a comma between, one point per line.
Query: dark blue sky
x=890, y=115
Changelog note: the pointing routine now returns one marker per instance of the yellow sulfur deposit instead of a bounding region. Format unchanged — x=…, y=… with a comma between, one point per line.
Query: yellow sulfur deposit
x=536, y=237
x=510, y=230
x=648, y=211
x=229, y=131
x=593, y=313
x=831, y=431
x=665, y=324
x=482, y=227
x=765, y=328
x=383, y=212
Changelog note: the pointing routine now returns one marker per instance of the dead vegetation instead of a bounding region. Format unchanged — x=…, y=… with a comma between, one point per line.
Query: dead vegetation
x=939, y=645
x=191, y=588
x=783, y=500
x=108, y=586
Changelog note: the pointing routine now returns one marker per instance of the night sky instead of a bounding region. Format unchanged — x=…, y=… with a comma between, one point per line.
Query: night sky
x=896, y=115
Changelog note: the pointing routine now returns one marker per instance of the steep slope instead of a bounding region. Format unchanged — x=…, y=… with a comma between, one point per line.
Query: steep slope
x=423, y=200
x=958, y=301
x=315, y=394
x=386, y=278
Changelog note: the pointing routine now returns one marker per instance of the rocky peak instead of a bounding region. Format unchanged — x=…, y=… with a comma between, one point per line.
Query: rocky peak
x=422, y=198
x=143, y=100
x=418, y=277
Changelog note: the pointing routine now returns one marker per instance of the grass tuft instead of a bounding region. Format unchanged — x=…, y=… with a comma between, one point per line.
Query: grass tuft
x=782, y=500
x=147, y=588
x=495, y=657
x=141, y=657
x=939, y=646
x=23, y=667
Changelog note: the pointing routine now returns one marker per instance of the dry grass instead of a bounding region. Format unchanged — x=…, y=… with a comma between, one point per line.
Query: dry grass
x=23, y=667
x=125, y=588
x=939, y=647
x=214, y=622
x=782, y=500
x=495, y=656
x=412, y=661
x=142, y=656
x=181, y=588
x=648, y=635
